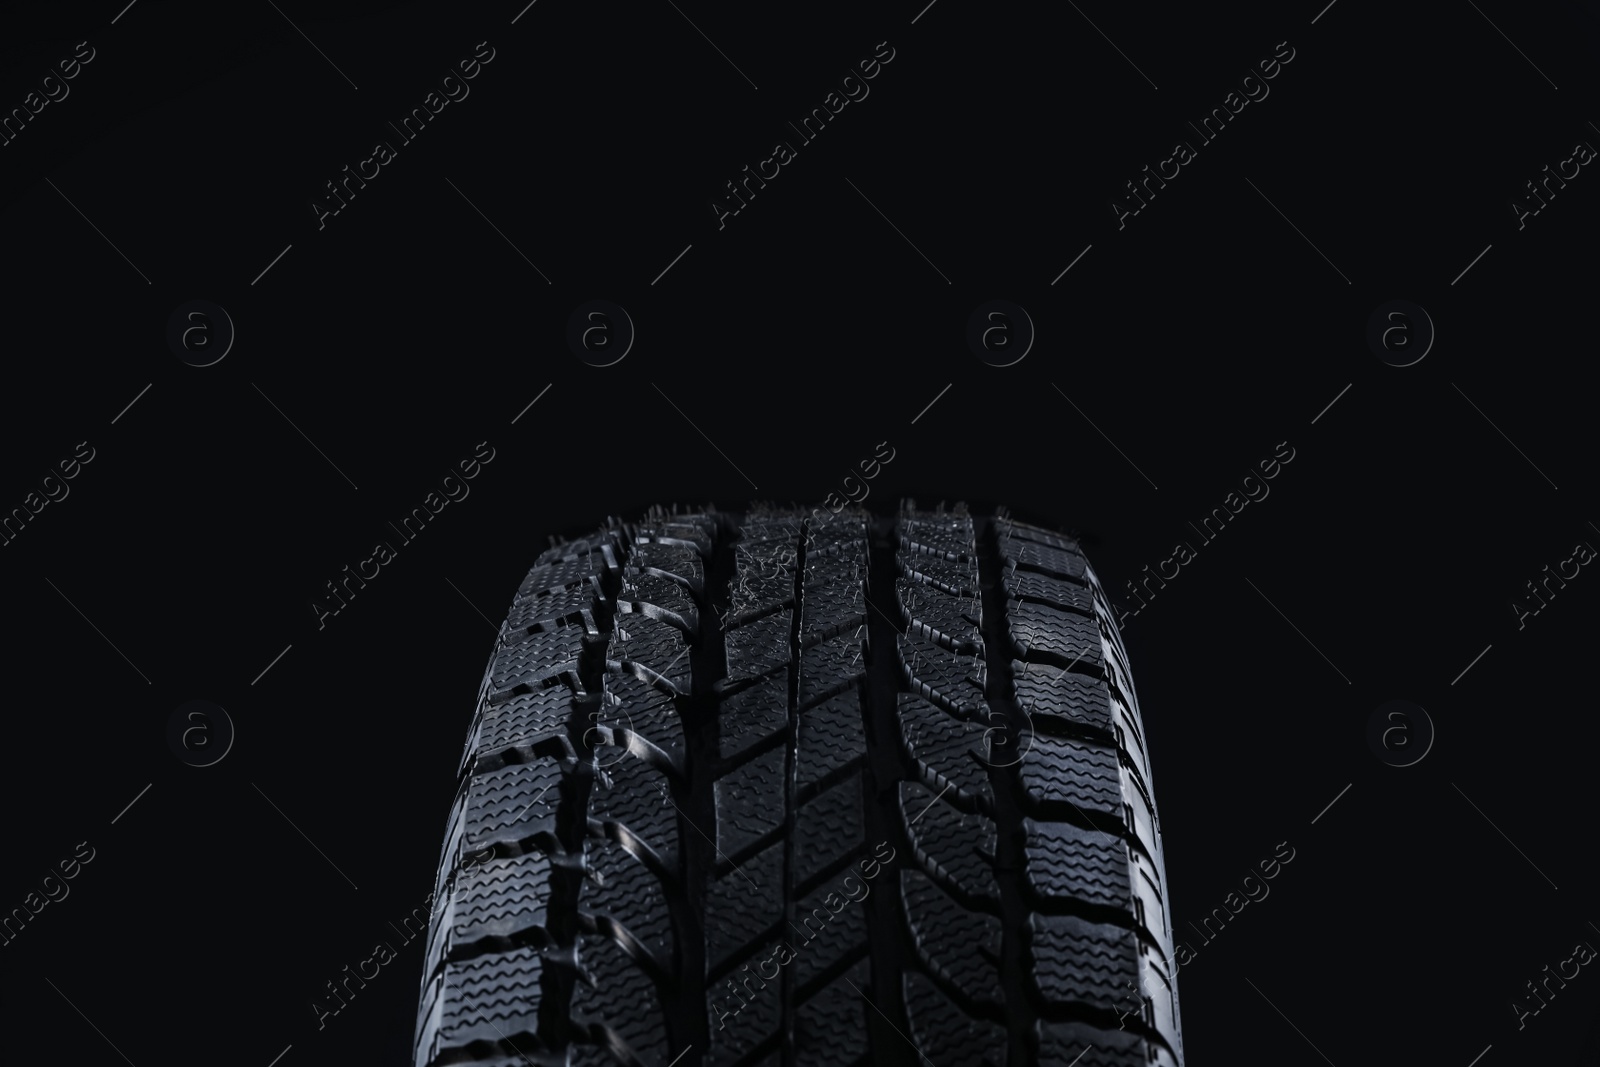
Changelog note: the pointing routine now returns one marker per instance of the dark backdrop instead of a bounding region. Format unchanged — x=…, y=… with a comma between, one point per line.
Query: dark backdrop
x=1176, y=353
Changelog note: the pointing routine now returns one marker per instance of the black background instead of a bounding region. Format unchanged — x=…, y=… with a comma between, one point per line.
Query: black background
x=799, y=336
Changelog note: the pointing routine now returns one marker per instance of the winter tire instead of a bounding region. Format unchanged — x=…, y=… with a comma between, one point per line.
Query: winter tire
x=790, y=789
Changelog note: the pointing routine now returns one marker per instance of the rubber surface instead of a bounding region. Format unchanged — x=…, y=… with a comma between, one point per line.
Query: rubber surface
x=799, y=790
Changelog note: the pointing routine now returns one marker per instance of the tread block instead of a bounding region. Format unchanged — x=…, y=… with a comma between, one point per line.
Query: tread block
x=1075, y=961
x=532, y=658
x=656, y=594
x=491, y=998
x=947, y=748
x=829, y=924
x=1046, y=691
x=835, y=584
x=1066, y=863
x=750, y=801
x=831, y=1025
x=949, y=533
x=547, y=578
x=955, y=847
x=685, y=562
x=692, y=533
x=653, y=643
x=685, y=525
x=500, y=898
x=522, y=719
x=517, y=800
x=635, y=795
x=743, y=904
x=760, y=647
x=557, y=604
x=1043, y=634
x=754, y=714
x=634, y=704
x=659, y=586
x=946, y=620
x=831, y=737
x=957, y=579
x=627, y=891
x=955, y=944
x=953, y=682
x=1056, y=562
x=939, y=1028
x=764, y=567
x=622, y=998
x=744, y=1011
x=1087, y=776
x=832, y=666
x=1010, y=528
x=827, y=827
x=1028, y=587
